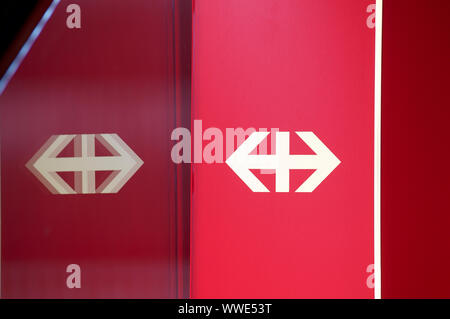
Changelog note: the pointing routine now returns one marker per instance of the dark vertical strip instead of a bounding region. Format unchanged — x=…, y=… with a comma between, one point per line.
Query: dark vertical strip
x=182, y=67
x=415, y=210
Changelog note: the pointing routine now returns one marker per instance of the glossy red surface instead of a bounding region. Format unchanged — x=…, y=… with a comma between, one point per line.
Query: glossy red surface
x=296, y=66
x=114, y=75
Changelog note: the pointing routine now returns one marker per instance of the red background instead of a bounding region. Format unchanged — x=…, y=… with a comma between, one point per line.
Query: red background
x=292, y=65
x=415, y=149
x=114, y=75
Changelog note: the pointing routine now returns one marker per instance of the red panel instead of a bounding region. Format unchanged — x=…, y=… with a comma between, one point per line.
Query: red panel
x=415, y=152
x=114, y=75
x=298, y=66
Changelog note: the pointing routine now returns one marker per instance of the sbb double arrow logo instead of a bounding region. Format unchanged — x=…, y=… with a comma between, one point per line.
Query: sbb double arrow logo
x=123, y=163
x=46, y=164
x=241, y=161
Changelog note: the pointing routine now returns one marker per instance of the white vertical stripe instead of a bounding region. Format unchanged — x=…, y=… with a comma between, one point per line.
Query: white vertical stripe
x=377, y=150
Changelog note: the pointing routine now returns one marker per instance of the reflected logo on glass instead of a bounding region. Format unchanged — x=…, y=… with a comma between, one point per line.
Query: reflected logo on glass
x=50, y=166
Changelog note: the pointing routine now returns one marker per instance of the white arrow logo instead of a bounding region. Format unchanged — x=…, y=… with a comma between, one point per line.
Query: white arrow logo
x=123, y=163
x=241, y=161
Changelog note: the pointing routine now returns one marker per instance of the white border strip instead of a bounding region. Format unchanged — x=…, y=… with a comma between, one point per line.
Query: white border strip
x=27, y=46
x=7, y=77
x=377, y=149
